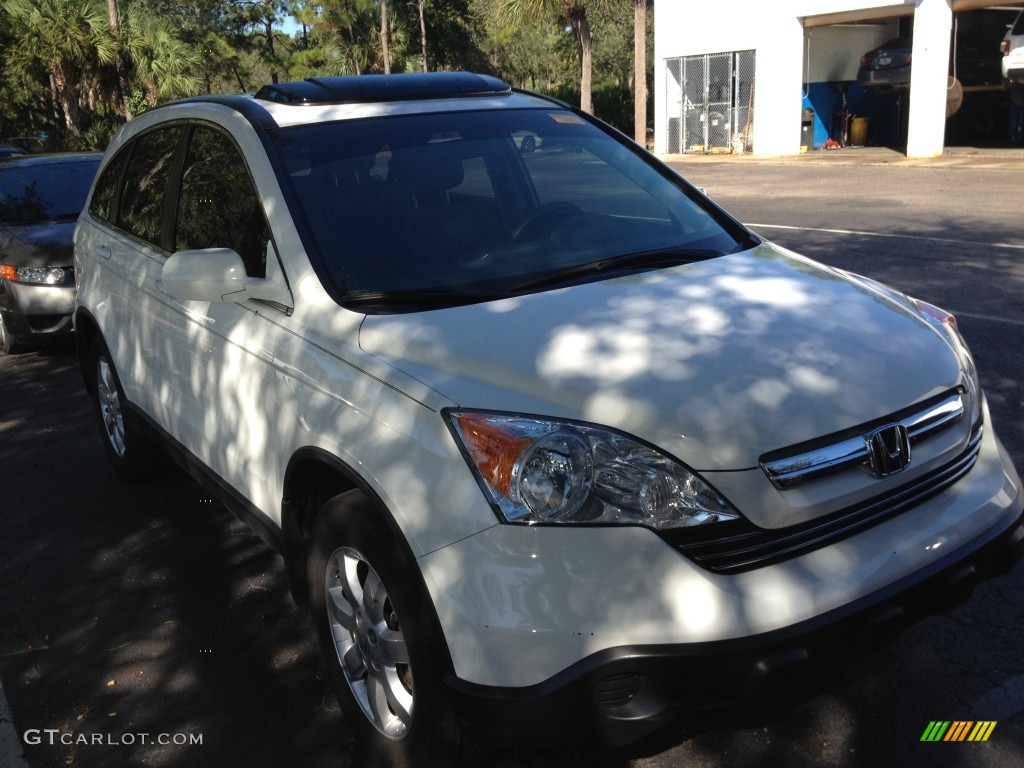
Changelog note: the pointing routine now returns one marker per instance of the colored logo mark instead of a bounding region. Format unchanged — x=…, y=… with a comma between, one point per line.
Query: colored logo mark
x=958, y=730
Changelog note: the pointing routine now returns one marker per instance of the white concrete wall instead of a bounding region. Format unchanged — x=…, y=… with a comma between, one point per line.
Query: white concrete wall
x=834, y=52
x=774, y=30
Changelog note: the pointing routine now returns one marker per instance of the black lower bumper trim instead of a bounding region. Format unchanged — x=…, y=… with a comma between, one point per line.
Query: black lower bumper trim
x=623, y=694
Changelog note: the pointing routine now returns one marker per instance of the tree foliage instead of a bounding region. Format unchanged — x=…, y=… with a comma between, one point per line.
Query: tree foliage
x=77, y=68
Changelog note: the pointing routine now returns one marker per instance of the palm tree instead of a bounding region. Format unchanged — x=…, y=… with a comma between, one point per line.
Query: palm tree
x=351, y=37
x=338, y=27
x=640, y=72
x=385, y=36
x=575, y=13
x=65, y=39
x=121, y=89
x=423, y=34
x=162, y=65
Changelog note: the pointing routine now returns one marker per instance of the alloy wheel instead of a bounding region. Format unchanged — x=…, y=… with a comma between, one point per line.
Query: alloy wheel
x=369, y=642
x=110, y=406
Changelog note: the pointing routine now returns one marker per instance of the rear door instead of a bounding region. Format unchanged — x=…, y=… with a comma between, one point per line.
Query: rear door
x=129, y=237
x=201, y=371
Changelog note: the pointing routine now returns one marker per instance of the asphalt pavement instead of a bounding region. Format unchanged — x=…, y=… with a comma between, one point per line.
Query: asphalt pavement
x=142, y=625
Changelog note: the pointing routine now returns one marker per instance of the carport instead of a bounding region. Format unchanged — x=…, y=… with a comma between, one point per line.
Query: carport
x=737, y=75
x=920, y=118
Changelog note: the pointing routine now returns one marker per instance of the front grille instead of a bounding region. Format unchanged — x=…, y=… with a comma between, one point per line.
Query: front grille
x=745, y=546
x=834, y=453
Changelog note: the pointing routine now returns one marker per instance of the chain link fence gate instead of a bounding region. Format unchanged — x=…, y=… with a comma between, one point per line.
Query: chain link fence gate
x=711, y=103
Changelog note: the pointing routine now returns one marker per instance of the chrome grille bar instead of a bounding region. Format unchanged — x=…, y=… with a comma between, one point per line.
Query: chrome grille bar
x=788, y=471
x=748, y=547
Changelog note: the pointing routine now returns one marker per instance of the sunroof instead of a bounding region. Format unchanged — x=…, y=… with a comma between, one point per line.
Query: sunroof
x=368, y=88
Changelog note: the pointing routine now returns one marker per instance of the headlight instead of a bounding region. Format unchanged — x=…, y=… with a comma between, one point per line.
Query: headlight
x=537, y=470
x=38, y=275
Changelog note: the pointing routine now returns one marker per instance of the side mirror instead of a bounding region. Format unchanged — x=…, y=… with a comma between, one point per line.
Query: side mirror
x=215, y=274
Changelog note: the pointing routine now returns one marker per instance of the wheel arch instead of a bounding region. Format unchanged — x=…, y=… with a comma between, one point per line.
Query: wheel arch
x=86, y=328
x=313, y=477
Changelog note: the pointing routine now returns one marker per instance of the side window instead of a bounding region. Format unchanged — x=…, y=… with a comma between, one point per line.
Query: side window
x=218, y=206
x=104, y=197
x=145, y=184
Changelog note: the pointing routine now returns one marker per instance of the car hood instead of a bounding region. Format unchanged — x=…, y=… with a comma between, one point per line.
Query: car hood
x=38, y=245
x=717, y=362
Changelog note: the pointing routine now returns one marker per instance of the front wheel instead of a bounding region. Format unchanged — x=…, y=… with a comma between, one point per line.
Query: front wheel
x=383, y=652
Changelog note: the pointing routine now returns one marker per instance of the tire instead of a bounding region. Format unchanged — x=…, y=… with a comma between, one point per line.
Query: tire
x=376, y=631
x=8, y=343
x=127, y=445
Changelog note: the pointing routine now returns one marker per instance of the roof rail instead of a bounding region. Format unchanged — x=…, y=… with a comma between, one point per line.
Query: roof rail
x=374, y=88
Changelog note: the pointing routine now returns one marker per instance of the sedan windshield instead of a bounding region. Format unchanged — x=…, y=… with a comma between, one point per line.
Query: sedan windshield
x=34, y=193
x=416, y=211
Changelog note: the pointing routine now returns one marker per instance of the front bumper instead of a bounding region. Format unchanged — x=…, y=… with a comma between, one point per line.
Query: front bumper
x=622, y=694
x=609, y=632
x=38, y=313
x=898, y=77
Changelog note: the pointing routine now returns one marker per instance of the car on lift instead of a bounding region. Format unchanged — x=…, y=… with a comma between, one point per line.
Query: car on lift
x=974, y=60
x=1013, y=60
x=888, y=65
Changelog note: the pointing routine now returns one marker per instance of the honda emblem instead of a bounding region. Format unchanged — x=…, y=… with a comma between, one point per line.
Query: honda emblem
x=888, y=450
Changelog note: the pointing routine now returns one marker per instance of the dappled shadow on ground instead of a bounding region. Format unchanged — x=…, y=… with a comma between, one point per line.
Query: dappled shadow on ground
x=138, y=609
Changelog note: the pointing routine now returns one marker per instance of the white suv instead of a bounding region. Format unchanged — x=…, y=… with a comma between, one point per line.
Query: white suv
x=551, y=445
x=1013, y=59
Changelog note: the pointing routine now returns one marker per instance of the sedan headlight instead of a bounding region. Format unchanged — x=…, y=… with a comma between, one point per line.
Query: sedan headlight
x=38, y=275
x=537, y=470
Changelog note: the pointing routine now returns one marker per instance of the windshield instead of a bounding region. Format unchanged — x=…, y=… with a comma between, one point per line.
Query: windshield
x=467, y=206
x=40, y=192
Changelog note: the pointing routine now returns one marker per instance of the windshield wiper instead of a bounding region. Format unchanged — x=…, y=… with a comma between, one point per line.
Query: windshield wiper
x=430, y=298
x=661, y=258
